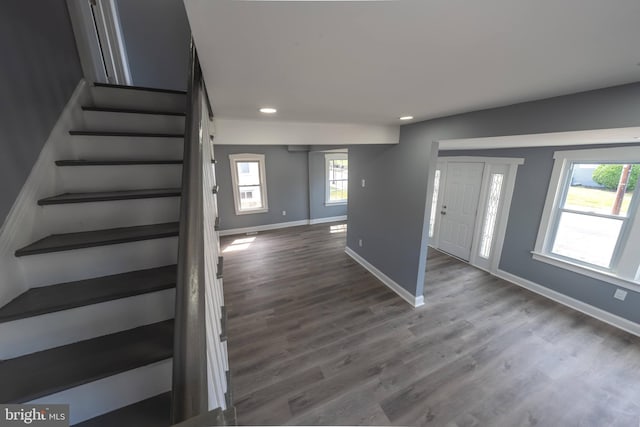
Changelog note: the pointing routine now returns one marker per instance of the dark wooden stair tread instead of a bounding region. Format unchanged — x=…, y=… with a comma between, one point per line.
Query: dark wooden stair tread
x=127, y=134
x=116, y=162
x=105, y=196
x=88, y=239
x=143, y=88
x=152, y=412
x=50, y=371
x=134, y=111
x=63, y=296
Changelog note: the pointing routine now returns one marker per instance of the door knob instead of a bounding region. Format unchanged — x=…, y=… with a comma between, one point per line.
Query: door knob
x=443, y=212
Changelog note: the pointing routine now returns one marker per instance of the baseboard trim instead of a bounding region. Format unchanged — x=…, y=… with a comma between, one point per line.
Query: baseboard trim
x=266, y=227
x=327, y=219
x=386, y=280
x=588, y=309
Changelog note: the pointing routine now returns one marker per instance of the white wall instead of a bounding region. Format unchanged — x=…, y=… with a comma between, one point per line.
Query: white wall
x=271, y=132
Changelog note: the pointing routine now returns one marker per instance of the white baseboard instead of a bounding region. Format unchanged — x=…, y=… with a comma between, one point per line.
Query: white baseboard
x=402, y=292
x=276, y=226
x=327, y=219
x=588, y=309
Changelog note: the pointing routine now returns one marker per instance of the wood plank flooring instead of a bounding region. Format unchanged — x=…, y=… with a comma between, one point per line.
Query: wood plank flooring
x=314, y=339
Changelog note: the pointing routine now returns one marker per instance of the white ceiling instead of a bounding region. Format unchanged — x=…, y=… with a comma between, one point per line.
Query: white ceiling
x=373, y=61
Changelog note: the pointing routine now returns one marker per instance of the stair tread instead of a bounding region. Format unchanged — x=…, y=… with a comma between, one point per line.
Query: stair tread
x=103, y=196
x=84, y=162
x=50, y=371
x=134, y=111
x=126, y=133
x=143, y=88
x=63, y=296
x=152, y=412
x=88, y=239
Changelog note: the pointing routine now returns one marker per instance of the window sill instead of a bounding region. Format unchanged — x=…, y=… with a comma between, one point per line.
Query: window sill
x=335, y=203
x=256, y=211
x=586, y=271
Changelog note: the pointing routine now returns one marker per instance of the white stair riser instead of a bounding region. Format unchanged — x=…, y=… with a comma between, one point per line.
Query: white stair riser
x=132, y=122
x=125, y=148
x=78, y=264
x=24, y=336
x=137, y=99
x=113, y=178
x=108, y=394
x=74, y=217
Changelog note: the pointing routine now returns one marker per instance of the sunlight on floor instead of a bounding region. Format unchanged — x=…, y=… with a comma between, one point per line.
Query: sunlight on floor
x=245, y=240
x=239, y=245
x=340, y=228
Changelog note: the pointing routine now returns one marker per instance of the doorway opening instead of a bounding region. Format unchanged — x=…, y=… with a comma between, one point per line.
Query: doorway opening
x=470, y=207
x=96, y=26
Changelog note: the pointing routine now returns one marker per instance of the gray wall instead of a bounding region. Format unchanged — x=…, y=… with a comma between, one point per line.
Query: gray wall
x=317, y=207
x=156, y=35
x=393, y=231
x=532, y=183
x=287, y=186
x=40, y=69
x=388, y=213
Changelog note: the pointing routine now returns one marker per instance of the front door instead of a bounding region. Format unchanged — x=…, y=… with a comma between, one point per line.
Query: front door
x=458, y=208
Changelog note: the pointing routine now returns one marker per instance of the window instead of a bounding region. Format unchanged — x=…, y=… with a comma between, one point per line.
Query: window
x=588, y=222
x=249, y=184
x=434, y=203
x=337, y=178
x=491, y=214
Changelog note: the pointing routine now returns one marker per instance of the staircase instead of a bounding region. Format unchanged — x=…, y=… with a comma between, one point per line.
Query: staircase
x=96, y=330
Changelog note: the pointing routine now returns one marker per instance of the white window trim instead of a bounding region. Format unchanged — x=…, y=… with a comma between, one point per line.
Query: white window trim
x=621, y=275
x=327, y=188
x=233, y=158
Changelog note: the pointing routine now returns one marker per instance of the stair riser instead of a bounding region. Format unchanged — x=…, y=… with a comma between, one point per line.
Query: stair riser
x=111, y=393
x=51, y=330
x=136, y=99
x=78, y=264
x=126, y=148
x=115, y=178
x=131, y=122
x=74, y=217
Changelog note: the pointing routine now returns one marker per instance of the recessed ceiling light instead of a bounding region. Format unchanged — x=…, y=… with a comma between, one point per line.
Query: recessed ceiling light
x=406, y=117
x=268, y=110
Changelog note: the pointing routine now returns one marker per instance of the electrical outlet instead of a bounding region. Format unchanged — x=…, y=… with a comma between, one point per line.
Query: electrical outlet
x=360, y=242
x=363, y=183
x=620, y=294
x=284, y=213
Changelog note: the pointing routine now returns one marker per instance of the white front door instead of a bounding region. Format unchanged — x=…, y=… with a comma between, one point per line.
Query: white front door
x=459, y=207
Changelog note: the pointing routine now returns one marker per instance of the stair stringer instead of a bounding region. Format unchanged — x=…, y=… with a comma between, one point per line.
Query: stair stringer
x=24, y=223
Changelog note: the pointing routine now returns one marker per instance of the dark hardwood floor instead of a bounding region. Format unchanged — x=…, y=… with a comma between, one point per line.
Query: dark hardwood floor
x=314, y=339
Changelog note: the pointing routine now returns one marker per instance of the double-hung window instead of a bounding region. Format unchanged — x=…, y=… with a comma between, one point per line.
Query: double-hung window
x=589, y=223
x=249, y=183
x=337, y=178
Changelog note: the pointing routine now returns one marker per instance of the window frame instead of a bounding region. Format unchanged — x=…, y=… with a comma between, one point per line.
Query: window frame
x=248, y=157
x=624, y=268
x=328, y=157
